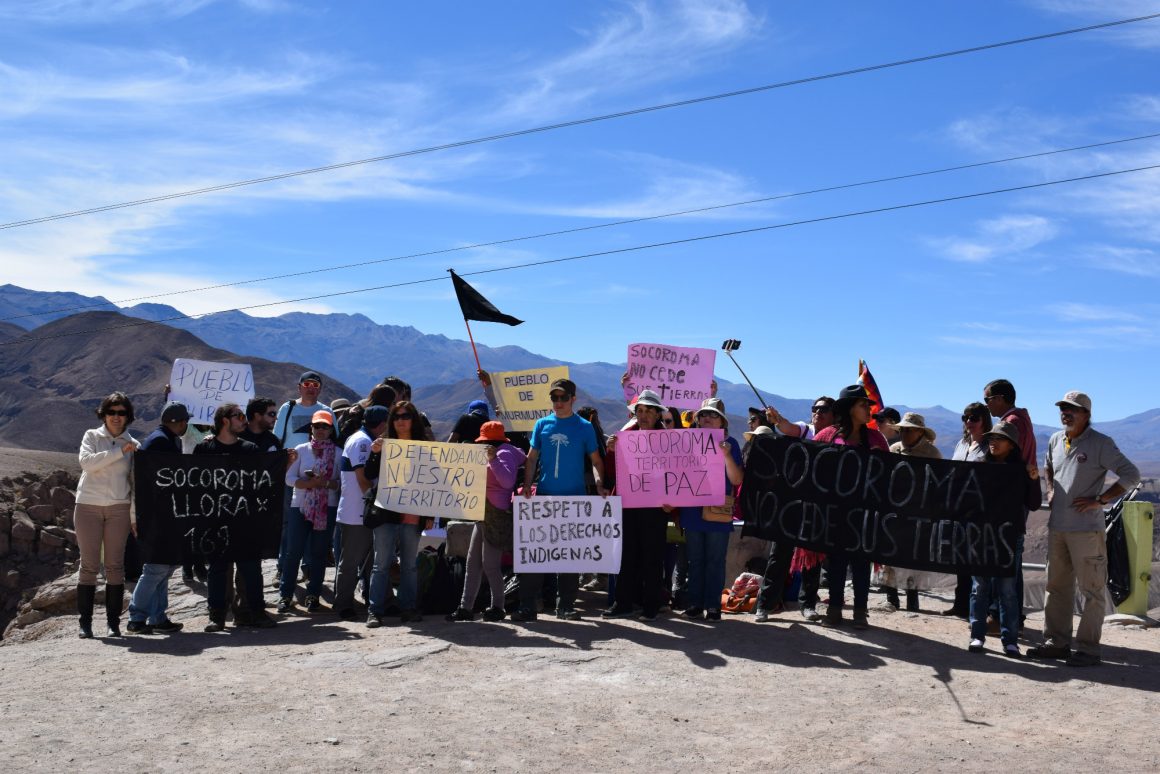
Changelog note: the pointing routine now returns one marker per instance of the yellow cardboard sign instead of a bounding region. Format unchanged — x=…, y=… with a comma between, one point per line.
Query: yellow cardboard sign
x=521, y=397
x=425, y=478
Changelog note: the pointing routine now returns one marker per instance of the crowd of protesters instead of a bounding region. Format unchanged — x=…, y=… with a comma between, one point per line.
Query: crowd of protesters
x=673, y=558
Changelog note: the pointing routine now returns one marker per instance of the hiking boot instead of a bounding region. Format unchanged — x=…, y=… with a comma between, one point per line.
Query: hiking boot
x=617, y=611
x=165, y=627
x=861, y=619
x=1081, y=659
x=460, y=614
x=493, y=614
x=285, y=605
x=523, y=616
x=1049, y=652
x=312, y=604
x=138, y=627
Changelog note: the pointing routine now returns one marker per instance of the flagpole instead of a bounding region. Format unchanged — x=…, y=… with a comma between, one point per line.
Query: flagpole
x=470, y=338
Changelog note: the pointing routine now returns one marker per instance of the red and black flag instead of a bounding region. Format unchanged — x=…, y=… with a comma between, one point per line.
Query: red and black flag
x=475, y=307
x=866, y=379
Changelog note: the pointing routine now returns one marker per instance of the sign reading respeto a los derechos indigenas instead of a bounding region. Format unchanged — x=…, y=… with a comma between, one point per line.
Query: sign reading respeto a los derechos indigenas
x=203, y=386
x=681, y=376
x=522, y=397
x=567, y=534
x=670, y=467
x=216, y=506
x=425, y=478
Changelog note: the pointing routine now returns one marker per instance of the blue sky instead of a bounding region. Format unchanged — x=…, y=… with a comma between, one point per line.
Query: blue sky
x=104, y=101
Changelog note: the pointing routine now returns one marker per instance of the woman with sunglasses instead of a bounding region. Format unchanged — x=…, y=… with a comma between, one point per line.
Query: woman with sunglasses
x=314, y=477
x=102, y=517
x=850, y=428
x=399, y=533
x=970, y=448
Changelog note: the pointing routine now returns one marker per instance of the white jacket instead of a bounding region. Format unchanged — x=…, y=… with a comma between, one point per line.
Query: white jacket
x=106, y=471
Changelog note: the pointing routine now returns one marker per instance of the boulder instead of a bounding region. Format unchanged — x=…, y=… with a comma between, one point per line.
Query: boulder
x=31, y=617
x=45, y=514
x=23, y=528
x=48, y=537
x=5, y=544
x=61, y=497
x=36, y=492
x=66, y=516
x=61, y=478
x=57, y=597
x=5, y=524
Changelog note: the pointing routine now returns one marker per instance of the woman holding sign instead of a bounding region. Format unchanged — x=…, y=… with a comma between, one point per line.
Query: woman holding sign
x=102, y=511
x=642, y=558
x=850, y=428
x=314, y=477
x=707, y=540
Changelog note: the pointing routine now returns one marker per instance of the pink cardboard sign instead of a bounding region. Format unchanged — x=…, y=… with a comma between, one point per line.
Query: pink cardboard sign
x=680, y=375
x=670, y=467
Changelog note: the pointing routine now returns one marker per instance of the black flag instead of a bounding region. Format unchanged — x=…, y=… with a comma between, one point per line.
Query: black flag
x=475, y=307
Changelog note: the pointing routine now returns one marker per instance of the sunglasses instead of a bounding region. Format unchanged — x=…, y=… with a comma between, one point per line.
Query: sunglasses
x=403, y=416
x=972, y=418
x=819, y=409
x=669, y=422
x=116, y=413
x=311, y=383
x=236, y=415
x=989, y=398
x=560, y=398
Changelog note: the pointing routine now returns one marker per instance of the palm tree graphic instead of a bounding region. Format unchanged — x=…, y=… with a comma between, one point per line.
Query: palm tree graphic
x=558, y=439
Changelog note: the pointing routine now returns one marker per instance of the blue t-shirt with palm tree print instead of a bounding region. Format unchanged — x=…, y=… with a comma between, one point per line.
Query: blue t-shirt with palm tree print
x=564, y=446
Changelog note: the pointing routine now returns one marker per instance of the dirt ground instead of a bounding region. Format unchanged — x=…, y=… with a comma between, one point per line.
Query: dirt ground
x=319, y=694
x=13, y=462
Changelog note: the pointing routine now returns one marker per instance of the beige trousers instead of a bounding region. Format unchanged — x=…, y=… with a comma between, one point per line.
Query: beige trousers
x=1075, y=557
x=97, y=527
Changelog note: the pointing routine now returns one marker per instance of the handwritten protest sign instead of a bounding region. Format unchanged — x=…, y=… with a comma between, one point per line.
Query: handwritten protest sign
x=925, y=514
x=521, y=397
x=219, y=507
x=681, y=376
x=670, y=467
x=567, y=534
x=203, y=386
x=424, y=478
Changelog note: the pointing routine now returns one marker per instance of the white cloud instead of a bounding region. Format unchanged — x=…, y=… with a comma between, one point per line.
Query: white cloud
x=1137, y=262
x=106, y=11
x=1140, y=34
x=1080, y=312
x=1008, y=235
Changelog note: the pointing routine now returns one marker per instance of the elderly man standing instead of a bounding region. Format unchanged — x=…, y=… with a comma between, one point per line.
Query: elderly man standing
x=1078, y=457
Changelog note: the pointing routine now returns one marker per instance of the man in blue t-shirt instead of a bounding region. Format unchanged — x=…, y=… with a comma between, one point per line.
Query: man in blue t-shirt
x=562, y=446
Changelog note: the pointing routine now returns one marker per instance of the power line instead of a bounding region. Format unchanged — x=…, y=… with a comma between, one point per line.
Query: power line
x=629, y=221
x=581, y=121
x=617, y=251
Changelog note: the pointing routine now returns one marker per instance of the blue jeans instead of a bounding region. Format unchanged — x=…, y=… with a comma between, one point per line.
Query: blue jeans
x=706, y=555
x=302, y=540
x=389, y=539
x=1004, y=588
x=151, y=595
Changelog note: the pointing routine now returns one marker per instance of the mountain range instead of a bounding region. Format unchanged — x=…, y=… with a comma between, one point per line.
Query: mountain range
x=440, y=369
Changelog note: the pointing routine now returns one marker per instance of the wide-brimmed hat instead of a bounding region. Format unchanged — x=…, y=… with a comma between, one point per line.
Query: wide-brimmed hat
x=713, y=406
x=647, y=398
x=759, y=430
x=491, y=431
x=340, y=406
x=1004, y=430
x=917, y=421
x=1077, y=399
x=850, y=394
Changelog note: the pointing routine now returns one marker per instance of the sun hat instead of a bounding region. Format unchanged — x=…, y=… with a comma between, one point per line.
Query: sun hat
x=1005, y=430
x=759, y=430
x=713, y=406
x=647, y=398
x=491, y=431
x=917, y=421
x=850, y=394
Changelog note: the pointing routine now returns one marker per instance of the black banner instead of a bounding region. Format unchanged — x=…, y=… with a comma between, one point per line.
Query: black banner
x=216, y=506
x=913, y=512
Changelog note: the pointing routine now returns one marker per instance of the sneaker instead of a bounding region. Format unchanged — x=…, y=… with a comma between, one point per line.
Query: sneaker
x=167, y=627
x=647, y=615
x=712, y=615
x=461, y=614
x=410, y=616
x=138, y=627
x=494, y=614
x=810, y=614
x=693, y=612
x=1081, y=659
x=1050, y=652
x=1011, y=651
x=568, y=615
x=760, y=615
x=861, y=619
x=348, y=614
x=285, y=605
x=976, y=646
x=523, y=616
x=313, y=605
x=617, y=611
x=596, y=584
x=374, y=621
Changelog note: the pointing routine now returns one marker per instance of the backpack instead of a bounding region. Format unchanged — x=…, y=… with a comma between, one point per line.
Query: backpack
x=742, y=596
x=351, y=421
x=440, y=580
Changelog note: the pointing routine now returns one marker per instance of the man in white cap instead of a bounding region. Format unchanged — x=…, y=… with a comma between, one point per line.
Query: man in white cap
x=1078, y=457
